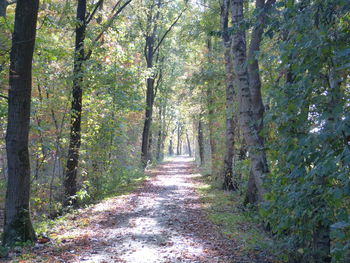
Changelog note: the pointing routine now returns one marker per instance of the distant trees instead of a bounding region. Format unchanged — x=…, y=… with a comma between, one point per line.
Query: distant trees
x=154, y=36
x=257, y=91
x=18, y=225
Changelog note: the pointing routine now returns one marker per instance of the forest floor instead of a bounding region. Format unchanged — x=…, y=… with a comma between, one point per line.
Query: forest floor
x=162, y=221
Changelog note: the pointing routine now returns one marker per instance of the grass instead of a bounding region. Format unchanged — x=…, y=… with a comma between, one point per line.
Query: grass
x=126, y=187
x=71, y=220
x=225, y=210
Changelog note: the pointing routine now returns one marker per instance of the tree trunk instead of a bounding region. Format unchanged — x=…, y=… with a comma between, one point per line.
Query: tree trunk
x=178, y=147
x=18, y=226
x=150, y=144
x=188, y=145
x=249, y=126
x=164, y=133
x=229, y=182
x=70, y=182
x=3, y=8
x=201, y=142
x=149, y=102
x=160, y=134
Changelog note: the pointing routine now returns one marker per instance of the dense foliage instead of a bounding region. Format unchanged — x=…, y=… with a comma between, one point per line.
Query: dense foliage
x=298, y=50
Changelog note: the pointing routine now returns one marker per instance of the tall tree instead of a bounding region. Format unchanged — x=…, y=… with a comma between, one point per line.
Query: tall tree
x=153, y=41
x=76, y=108
x=18, y=226
x=227, y=175
x=246, y=69
x=82, y=19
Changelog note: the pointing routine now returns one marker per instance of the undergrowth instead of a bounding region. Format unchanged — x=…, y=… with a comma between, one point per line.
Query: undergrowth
x=235, y=221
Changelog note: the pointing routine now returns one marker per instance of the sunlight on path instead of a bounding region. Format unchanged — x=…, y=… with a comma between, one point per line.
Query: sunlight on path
x=159, y=226
x=161, y=222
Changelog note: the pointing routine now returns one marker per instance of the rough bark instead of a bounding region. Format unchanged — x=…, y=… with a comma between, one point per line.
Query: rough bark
x=70, y=182
x=201, y=142
x=148, y=117
x=229, y=183
x=246, y=104
x=18, y=226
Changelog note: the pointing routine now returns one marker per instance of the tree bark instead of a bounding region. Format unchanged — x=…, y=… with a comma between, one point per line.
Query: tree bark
x=3, y=7
x=201, y=142
x=160, y=134
x=248, y=122
x=229, y=182
x=149, y=54
x=188, y=145
x=70, y=183
x=18, y=226
x=178, y=147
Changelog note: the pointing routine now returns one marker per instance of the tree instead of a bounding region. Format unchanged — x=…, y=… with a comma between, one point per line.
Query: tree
x=250, y=104
x=76, y=108
x=229, y=183
x=82, y=21
x=153, y=41
x=201, y=141
x=18, y=226
x=3, y=6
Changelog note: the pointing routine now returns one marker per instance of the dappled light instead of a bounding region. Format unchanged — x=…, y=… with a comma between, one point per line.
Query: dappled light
x=175, y=131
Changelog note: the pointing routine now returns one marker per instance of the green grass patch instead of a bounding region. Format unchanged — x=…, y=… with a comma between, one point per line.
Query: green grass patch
x=235, y=222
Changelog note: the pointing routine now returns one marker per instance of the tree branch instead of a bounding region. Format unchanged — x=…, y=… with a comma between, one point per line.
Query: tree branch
x=89, y=17
x=106, y=26
x=4, y=97
x=169, y=29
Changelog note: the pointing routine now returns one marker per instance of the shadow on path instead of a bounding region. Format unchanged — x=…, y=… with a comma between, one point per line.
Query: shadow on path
x=160, y=222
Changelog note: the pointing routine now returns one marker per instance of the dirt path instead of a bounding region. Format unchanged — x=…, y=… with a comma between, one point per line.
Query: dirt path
x=161, y=222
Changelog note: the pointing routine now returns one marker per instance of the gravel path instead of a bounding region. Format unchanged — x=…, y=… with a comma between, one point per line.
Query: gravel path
x=162, y=221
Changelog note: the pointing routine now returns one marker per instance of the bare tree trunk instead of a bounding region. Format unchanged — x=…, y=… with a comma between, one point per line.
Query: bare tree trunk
x=150, y=144
x=188, y=145
x=70, y=183
x=18, y=226
x=148, y=112
x=229, y=182
x=160, y=134
x=201, y=141
x=164, y=133
x=178, y=147
x=246, y=101
x=3, y=7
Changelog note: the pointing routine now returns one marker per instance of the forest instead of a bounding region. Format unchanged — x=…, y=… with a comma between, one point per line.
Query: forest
x=199, y=119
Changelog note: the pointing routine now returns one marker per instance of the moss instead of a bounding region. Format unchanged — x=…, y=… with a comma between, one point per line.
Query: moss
x=20, y=229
